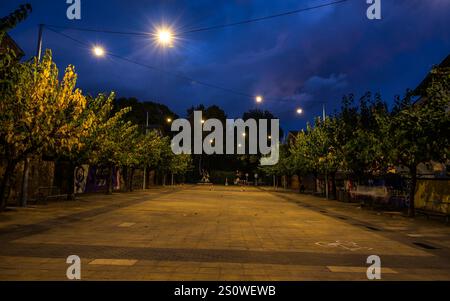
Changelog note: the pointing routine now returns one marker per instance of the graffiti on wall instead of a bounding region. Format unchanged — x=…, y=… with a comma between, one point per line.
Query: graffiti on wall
x=80, y=178
x=94, y=179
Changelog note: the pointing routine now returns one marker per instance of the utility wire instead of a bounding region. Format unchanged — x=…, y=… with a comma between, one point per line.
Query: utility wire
x=145, y=34
x=178, y=75
x=265, y=18
x=175, y=74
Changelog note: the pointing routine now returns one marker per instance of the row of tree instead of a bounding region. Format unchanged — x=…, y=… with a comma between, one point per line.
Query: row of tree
x=366, y=139
x=41, y=115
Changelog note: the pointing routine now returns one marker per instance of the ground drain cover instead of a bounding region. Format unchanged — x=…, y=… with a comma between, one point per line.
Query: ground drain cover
x=425, y=246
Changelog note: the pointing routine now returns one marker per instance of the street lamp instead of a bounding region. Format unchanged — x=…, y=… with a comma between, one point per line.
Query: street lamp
x=98, y=51
x=299, y=111
x=259, y=99
x=164, y=37
x=169, y=120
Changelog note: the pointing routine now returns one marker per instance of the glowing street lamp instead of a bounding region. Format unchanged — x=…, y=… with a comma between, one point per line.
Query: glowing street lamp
x=299, y=111
x=98, y=51
x=164, y=37
x=169, y=120
x=259, y=99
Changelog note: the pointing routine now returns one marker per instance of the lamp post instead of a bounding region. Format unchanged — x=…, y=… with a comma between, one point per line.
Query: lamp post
x=144, y=182
x=39, y=44
x=324, y=116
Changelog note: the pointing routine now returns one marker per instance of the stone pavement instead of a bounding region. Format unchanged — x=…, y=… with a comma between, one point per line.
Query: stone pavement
x=217, y=233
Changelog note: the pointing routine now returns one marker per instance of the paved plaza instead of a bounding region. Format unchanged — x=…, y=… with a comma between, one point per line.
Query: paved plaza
x=218, y=233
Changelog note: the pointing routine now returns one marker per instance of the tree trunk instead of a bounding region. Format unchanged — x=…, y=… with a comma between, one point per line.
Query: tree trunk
x=333, y=182
x=172, y=180
x=24, y=188
x=71, y=181
x=164, y=179
x=5, y=186
x=412, y=191
x=109, y=181
x=125, y=177
x=315, y=183
x=131, y=175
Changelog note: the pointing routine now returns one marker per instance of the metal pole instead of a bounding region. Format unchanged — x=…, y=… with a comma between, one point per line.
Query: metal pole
x=39, y=44
x=26, y=165
x=144, y=183
x=324, y=115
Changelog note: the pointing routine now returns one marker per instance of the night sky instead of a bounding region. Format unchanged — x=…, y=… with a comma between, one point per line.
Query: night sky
x=294, y=61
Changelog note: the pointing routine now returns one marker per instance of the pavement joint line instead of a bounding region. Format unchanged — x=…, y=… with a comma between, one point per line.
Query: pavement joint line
x=356, y=269
x=117, y=262
x=126, y=225
x=214, y=255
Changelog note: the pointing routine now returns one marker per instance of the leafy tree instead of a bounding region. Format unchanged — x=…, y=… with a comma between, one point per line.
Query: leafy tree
x=300, y=154
x=284, y=167
x=158, y=114
x=357, y=136
x=39, y=113
x=145, y=153
x=313, y=151
x=113, y=145
x=170, y=163
x=419, y=130
x=9, y=22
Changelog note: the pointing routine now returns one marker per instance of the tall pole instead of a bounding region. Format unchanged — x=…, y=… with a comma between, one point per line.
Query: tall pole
x=144, y=183
x=39, y=44
x=324, y=115
x=26, y=163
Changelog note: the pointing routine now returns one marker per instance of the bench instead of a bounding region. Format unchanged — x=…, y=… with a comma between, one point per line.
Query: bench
x=50, y=193
x=371, y=194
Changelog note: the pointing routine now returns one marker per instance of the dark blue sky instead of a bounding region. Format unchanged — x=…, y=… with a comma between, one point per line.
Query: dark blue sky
x=300, y=60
